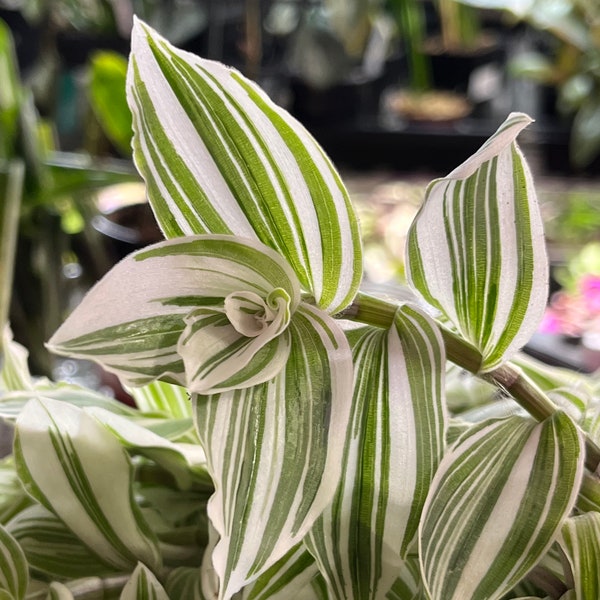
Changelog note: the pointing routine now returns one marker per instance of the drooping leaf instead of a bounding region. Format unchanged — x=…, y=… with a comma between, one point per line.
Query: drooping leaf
x=143, y=585
x=393, y=447
x=14, y=574
x=580, y=541
x=51, y=548
x=476, y=248
x=496, y=504
x=184, y=462
x=174, y=321
x=219, y=157
x=275, y=451
x=106, y=91
x=85, y=478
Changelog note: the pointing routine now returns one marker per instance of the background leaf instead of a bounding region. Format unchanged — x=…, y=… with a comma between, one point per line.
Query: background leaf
x=14, y=574
x=219, y=157
x=476, y=249
x=93, y=497
x=473, y=547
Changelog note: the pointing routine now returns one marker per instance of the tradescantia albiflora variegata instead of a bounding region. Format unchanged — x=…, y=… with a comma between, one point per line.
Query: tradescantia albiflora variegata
x=292, y=436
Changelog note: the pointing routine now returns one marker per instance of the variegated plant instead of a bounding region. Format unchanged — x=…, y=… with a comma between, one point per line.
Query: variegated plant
x=293, y=436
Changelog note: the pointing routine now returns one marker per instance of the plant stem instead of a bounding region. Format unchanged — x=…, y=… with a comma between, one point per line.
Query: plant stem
x=380, y=313
x=11, y=187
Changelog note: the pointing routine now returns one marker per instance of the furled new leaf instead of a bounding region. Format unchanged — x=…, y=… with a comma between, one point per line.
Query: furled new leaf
x=85, y=478
x=275, y=451
x=580, y=541
x=496, y=504
x=219, y=157
x=143, y=585
x=14, y=372
x=476, y=248
x=393, y=447
x=207, y=312
x=14, y=574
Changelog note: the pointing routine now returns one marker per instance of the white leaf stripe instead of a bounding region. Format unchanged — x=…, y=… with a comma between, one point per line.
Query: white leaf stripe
x=280, y=444
x=476, y=249
x=394, y=445
x=73, y=484
x=14, y=574
x=472, y=547
x=262, y=174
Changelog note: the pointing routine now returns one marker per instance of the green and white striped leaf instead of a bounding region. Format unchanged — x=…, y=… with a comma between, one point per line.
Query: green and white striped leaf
x=393, y=447
x=497, y=503
x=12, y=403
x=51, y=548
x=14, y=371
x=143, y=585
x=287, y=579
x=13, y=497
x=172, y=311
x=275, y=451
x=580, y=542
x=165, y=398
x=219, y=157
x=14, y=572
x=59, y=591
x=476, y=249
x=185, y=583
x=184, y=462
x=409, y=585
x=85, y=478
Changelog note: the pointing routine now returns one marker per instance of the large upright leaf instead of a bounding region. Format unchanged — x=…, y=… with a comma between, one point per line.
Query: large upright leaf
x=275, y=451
x=393, y=447
x=219, y=157
x=207, y=312
x=476, y=248
x=79, y=471
x=497, y=503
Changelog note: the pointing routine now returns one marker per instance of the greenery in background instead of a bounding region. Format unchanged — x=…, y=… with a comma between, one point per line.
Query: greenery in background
x=572, y=66
x=294, y=436
x=55, y=198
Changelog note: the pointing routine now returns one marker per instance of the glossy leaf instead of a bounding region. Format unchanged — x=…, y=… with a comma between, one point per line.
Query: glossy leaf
x=14, y=574
x=143, y=585
x=219, y=157
x=174, y=320
x=275, y=451
x=85, y=479
x=497, y=503
x=580, y=541
x=393, y=447
x=476, y=248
